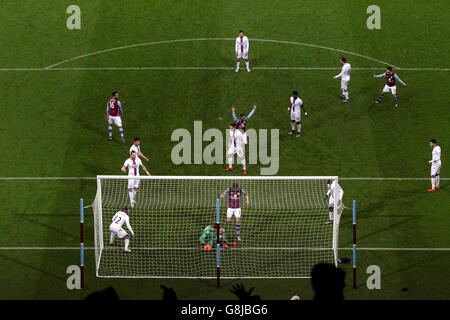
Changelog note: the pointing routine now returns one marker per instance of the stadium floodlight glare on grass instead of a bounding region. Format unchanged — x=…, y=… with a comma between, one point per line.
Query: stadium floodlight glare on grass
x=283, y=227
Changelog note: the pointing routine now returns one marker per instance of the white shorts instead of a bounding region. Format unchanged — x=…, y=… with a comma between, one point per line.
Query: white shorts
x=242, y=55
x=133, y=183
x=245, y=137
x=296, y=116
x=435, y=169
x=236, y=150
x=392, y=89
x=117, y=230
x=115, y=120
x=233, y=212
x=344, y=84
x=331, y=203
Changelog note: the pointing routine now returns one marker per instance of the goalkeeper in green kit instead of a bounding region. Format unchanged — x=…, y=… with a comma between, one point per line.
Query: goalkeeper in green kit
x=208, y=239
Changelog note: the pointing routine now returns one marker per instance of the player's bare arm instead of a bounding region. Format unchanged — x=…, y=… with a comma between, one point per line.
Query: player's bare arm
x=123, y=169
x=304, y=110
x=145, y=169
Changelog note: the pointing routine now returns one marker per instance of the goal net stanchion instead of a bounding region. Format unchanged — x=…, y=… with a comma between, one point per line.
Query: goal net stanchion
x=283, y=228
x=354, y=244
x=218, y=241
x=81, y=243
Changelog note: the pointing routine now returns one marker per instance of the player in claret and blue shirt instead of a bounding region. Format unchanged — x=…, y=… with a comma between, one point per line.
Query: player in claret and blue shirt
x=234, y=205
x=114, y=113
x=391, y=86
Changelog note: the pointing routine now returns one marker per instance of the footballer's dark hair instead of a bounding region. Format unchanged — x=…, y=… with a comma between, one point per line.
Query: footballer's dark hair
x=137, y=139
x=114, y=93
x=235, y=185
x=242, y=114
x=389, y=68
x=344, y=59
x=132, y=152
x=295, y=93
x=241, y=31
x=233, y=125
x=125, y=209
x=433, y=140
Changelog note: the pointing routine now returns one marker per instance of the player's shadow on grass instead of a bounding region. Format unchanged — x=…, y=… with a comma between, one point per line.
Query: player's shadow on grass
x=23, y=264
x=26, y=217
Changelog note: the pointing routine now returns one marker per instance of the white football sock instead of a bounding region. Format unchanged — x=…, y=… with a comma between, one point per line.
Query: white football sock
x=433, y=183
x=237, y=65
x=247, y=64
x=131, y=194
x=331, y=215
x=127, y=242
x=230, y=162
x=299, y=128
x=112, y=237
x=243, y=163
x=293, y=126
x=437, y=181
x=134, y=194
x=346, y=94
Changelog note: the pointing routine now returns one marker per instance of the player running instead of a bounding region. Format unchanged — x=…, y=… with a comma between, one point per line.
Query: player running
x=133, y=163
x=114, y=113
x=296, y=104
x=234, y=205
x=435, y=165
x=241, y=49
x=345, y=78
x=208, y=239
x=137, y=148
x=391, y=78
x=236, y=146
x=241, y=123
x=118, y=220
x=330, y=194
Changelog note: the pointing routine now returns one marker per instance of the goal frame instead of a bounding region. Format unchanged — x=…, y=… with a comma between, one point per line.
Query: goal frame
x=98, y=218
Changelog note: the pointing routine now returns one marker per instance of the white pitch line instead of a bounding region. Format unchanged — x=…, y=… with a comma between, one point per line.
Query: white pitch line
x=340, y=178
x=209, y=68
x=169, y=248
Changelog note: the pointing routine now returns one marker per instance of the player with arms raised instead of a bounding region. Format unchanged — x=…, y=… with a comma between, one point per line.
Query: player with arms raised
x=345, y=78
x=133, y=163
x=234, y=205
x=435, y=165
x=391, y=86
x=296, y=104
x=241, y=123
x=236, y=146
x=116, y=229
x=332, y=186
x=241, y=49
x=114, y=113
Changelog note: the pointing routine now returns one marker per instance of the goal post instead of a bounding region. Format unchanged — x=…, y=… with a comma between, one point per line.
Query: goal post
x=283, y=228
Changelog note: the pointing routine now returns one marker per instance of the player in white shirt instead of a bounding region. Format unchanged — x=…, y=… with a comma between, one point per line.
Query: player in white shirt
x=435, y=165
x=345, y=78
x=236, y=146
x=296, y=105
x=330, y=196
x=116, y=229
x=241, y=49
x=133, y=163
x=137, y=148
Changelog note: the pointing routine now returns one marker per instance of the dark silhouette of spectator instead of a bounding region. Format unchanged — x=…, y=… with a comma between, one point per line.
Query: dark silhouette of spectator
x=108, y=294
x=169, y=295
x=328, y=282
x=244, y=295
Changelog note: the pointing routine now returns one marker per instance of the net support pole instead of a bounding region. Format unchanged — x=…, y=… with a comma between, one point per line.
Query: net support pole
x=354, y=244
x=81, y=244
x=218, y=241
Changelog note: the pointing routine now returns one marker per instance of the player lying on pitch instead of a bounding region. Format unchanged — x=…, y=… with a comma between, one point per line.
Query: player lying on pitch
x=208, y=239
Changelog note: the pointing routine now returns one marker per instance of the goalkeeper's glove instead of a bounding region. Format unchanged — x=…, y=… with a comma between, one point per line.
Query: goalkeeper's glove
x=225, y=245
x=234, y=244
x=208, y=247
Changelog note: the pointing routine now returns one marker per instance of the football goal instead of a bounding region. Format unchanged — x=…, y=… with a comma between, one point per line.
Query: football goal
x=282, y=228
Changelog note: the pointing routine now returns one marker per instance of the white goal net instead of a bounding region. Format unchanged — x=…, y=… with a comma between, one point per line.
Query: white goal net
x=282, y=229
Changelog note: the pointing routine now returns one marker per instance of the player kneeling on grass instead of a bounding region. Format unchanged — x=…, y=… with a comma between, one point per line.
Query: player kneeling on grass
x=330, y=195
x=116, y=229
x=208, y=239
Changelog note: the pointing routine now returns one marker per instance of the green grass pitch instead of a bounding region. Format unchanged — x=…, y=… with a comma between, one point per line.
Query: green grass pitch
x=53, y=125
